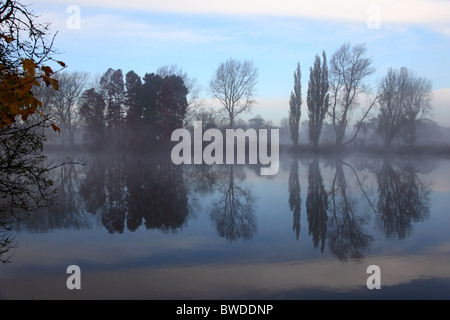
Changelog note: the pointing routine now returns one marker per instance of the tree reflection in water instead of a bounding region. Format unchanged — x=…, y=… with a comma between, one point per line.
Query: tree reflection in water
x=127, y=192
x=145, y=189
x=317, y=205
x=347, y=237
x=295, y=200
x=402, y=199
x=7, y=243
x=67, y=212
x=36, y=194
x=233, y=213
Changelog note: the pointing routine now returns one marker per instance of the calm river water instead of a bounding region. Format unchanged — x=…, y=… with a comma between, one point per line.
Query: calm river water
x=142, y=228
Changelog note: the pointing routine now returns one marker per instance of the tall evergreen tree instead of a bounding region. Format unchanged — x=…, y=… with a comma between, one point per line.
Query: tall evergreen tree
x=92, y=111
x=133, y=101
x=113, y=90
x=172, y=106
x=295, y=103
x=317, y=97
x=151, y=91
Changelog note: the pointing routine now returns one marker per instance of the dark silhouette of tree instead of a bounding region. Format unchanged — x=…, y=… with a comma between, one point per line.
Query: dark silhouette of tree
x=295, y=197
x=349, y=69
x=92, y=111
x=193, y=88
x=26, y=49
x=25, y=182
x=402, y=200
x=112, y=88
x=139, y=114
x=317, y=97
x=233, y=213
x=317, y=206
x=8, y=242
x=67, y=211
x=233, y=85
x=25, y=54
x=157, y=107
x=404, y=100
x=133, y=101
x=295, y=104
x=151, y=91
x=172, y=107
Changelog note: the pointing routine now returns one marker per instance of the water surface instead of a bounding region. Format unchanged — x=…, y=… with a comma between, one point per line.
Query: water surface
x=140, y=227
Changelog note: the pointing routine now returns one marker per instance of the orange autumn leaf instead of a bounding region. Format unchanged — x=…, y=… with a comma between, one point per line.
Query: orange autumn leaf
x=56, y=128
x=16, y=95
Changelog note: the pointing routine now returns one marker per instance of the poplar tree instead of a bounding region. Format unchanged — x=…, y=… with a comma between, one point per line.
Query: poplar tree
x=295, y=103
x=317, y=97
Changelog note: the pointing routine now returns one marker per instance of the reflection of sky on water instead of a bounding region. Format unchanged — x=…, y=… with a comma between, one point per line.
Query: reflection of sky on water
x=195, y=262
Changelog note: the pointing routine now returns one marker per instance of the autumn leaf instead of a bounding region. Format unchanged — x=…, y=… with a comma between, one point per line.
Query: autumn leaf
x=62, y=64
x=48, y=71
x=7, y=38
x=56, y=128
x=17, y=100
x=29, y=67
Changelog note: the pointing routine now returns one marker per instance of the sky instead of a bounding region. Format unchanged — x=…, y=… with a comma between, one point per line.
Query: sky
x=198, y=35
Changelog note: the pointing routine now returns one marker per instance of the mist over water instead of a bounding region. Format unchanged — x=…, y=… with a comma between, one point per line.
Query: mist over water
x=140, y=226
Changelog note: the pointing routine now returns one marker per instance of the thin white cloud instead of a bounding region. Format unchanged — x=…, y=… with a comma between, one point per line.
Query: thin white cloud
x=110, y=25
x=430, y=13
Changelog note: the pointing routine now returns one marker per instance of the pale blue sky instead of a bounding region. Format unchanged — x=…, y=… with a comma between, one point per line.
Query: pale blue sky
x=198, y=35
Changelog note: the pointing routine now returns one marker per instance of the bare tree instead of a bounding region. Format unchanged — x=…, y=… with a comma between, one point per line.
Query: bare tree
x=404, y=99
x=65, y=103
x=349, y=69
x=233, y=84
x=418, y=107
x=62, y=105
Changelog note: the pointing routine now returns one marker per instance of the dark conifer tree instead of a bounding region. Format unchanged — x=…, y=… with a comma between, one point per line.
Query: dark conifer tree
x=317, y=97
x=92, y=111
x=133, y=101
x=172, y=107
x=113, y=90
x=151, y=91
x=295, y=103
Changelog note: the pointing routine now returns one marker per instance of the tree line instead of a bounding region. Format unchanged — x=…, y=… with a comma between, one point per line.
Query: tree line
x=336, y=90
x=118, y=110
x=140, y=111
